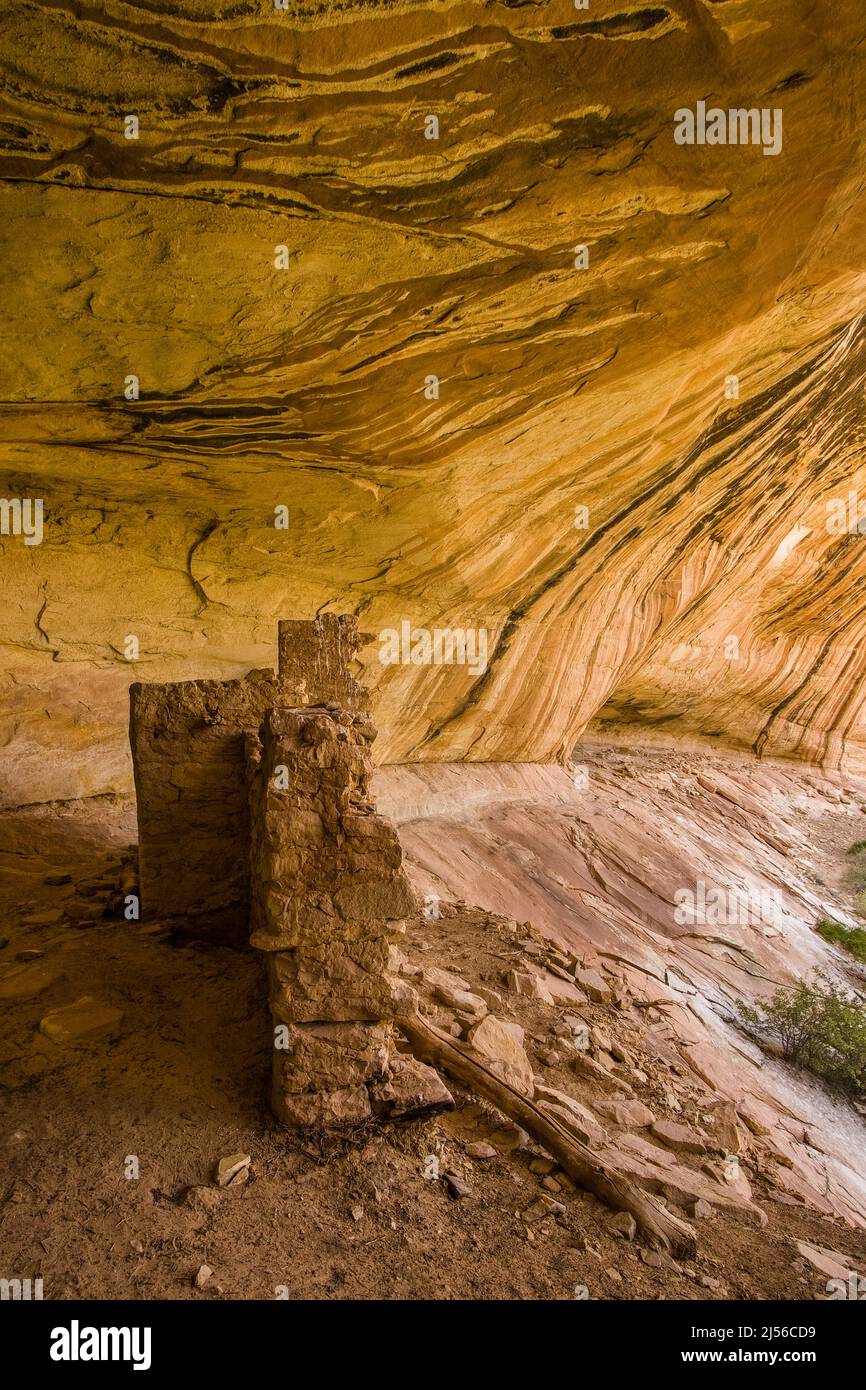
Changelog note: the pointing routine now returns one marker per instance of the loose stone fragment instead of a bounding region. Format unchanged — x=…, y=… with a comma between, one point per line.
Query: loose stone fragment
x=81, y=1021
x=233, y=1170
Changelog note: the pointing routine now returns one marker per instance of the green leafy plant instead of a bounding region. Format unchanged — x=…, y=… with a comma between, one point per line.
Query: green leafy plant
x=819, y=1027
x=857, y=873
x=852, y=939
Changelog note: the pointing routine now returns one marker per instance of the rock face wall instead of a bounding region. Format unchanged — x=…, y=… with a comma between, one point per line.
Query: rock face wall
x=711, y=586
x=187, y=743
x=617, y=873
x=328, y=898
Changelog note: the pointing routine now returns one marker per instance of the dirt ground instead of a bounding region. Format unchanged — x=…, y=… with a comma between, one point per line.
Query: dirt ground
x=184, y=1082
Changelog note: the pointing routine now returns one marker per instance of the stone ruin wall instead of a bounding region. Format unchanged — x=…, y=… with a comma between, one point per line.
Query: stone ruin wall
x=187, y=741
x=328, y=899
x=254, y=816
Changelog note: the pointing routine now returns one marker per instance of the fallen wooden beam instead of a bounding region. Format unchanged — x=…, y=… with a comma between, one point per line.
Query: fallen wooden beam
x=660, y=1227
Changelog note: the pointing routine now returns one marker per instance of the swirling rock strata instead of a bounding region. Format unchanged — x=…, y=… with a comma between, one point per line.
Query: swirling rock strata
x=704, y=593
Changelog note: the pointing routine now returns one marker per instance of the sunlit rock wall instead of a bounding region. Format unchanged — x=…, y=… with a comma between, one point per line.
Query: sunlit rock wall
x=285, y=258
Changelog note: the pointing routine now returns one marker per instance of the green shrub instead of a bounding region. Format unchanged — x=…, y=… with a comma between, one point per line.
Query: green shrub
x=857, y=872
x=819, y=1027
x=853, y=939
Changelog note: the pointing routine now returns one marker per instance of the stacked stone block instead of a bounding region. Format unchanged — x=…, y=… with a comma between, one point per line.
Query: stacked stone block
x=328, y=900
x=254, y=816
x=187, y=740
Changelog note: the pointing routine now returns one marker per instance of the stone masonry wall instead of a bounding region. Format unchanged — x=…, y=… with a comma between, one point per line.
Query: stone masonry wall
x=187, y=742
x=254, y=815
x=328, y=898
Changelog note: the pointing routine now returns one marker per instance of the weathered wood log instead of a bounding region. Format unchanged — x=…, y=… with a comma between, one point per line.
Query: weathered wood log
x=660, y=1227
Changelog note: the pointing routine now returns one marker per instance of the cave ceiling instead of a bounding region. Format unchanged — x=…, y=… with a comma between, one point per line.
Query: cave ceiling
x=637, y=470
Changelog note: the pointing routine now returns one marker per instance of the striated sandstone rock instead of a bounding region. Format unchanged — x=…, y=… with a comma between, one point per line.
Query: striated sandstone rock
x=707, y=519
x=468, y=1005
x=605, y=895
x=560, y=388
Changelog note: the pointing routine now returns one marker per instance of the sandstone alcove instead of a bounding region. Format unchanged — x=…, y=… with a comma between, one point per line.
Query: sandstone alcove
x=433, y=663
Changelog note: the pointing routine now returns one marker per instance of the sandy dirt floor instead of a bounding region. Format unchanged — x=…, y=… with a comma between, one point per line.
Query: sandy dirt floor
x=181, y=1080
